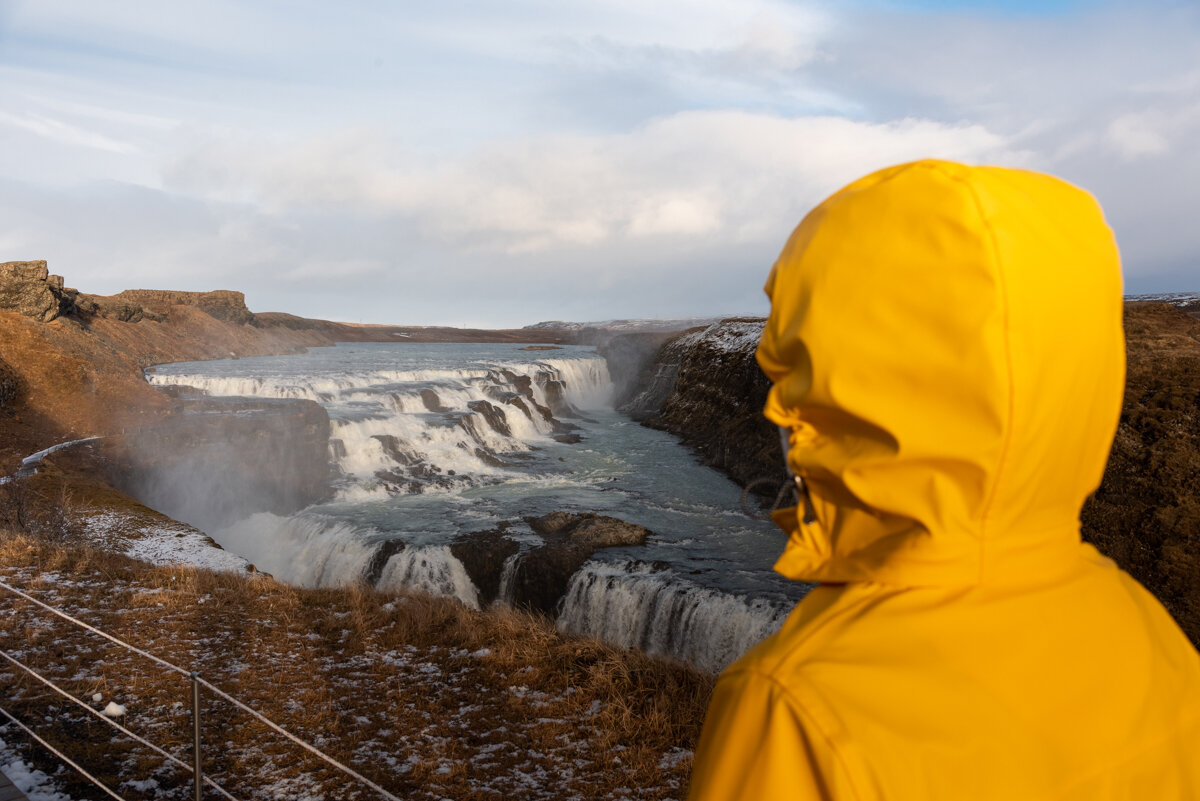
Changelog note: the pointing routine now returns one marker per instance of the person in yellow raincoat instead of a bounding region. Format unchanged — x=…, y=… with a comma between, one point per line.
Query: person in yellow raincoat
x=947, y=359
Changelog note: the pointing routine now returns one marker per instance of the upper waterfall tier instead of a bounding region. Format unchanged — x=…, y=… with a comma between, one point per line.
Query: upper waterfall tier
x=403, y=421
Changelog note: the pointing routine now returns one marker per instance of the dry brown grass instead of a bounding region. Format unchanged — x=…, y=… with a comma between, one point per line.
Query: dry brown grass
x=420, y=694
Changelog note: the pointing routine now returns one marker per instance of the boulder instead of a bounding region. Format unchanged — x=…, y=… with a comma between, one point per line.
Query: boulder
x=27, y=288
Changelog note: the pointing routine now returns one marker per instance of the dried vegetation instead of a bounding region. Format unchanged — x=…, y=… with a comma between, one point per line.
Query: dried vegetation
x=1146, y=514
x=427, y=698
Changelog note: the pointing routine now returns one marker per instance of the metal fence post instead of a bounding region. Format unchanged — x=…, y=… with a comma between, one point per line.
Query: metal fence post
x=198, y=777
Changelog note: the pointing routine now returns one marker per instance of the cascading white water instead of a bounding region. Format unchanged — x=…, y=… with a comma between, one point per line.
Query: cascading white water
x=433, y=442
x=438, y=428
x=432, y=569
x=315, y=552
x=508, y=574
x=303, y=550
x=631, y=605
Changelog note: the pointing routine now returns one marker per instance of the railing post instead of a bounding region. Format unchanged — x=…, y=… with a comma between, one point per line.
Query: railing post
x=197, y=775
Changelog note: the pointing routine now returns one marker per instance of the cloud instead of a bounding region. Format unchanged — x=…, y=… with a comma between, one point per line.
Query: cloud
x=63, y=132
x=708, y=174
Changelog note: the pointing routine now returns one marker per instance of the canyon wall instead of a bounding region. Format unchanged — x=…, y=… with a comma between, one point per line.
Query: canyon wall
x=705, y=387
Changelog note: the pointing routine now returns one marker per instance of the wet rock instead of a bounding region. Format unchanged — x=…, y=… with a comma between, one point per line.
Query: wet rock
x=541, y=577
x=494, y=416
x=379, y=560
x=483, y=554
x=489, y=457
x=432, y=402
x=708, y=390
x=394, y=448
x=27, y=288
x=555, y=393
x=568, y=439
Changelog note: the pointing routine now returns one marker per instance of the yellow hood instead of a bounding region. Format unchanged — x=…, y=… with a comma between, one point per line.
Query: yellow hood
x=946, y=349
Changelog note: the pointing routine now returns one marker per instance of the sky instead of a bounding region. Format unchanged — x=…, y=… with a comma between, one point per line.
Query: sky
x=494, y=163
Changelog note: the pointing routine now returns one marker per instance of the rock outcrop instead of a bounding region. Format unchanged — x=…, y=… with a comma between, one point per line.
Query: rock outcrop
x=27, y=288
x=540, y=576
x=221, y=304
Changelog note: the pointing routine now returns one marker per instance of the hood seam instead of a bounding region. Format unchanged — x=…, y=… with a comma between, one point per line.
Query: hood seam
x=1002, y=463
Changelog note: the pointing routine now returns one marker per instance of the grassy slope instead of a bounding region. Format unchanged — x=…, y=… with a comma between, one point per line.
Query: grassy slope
x=425, y=697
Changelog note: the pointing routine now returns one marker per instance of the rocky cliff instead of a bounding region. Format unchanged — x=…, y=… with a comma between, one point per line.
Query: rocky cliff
x=705, y=387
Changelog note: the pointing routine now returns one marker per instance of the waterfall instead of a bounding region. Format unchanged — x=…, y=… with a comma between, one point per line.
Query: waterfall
x=312, y=551
x=434, y=429
x=632, y=605
x=305, y=550
x=432, y=569
x=508, y=574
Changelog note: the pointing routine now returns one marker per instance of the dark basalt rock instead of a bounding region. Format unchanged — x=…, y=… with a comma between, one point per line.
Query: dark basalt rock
x=707, y=389
x=379, y=560
x=483, y=554
x=392, y=447
x=542, y=575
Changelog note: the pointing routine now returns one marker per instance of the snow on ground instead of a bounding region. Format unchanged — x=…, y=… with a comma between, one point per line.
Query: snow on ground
x=727, y=336
x=1174, y=298
x=161, y=542
x=35, y=784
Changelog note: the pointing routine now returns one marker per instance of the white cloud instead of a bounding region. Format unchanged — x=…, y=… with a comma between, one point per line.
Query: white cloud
x=63, y=132
x=708, y=174
x=1136, y=135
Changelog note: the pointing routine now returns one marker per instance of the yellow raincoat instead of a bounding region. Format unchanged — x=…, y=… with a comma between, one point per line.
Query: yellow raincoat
x=946, y=349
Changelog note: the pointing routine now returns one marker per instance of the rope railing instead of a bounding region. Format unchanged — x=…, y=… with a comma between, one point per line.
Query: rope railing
x=197, y=682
